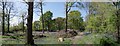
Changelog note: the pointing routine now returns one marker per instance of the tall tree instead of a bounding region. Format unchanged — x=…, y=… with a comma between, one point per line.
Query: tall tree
x=29, y=23
x=117, y=5
x=68, y=7
x=29, y=36
x=42, y=15
x=39, y=5
x=9, y=8
x=3, y=17
x=47, y=19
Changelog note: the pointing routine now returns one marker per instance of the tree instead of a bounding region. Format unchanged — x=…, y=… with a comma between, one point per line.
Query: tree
x=37, y=25
x=39, y=5
x=75, y=20
x=9, y=8
x=47, y=19
x=3, y=17
x=29, y=36
x=23, y=16
x=117, y=13
x=101, y=20
x=68, y=7
x=59, y=23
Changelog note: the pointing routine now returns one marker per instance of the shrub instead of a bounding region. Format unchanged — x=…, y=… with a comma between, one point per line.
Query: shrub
x=108, y=41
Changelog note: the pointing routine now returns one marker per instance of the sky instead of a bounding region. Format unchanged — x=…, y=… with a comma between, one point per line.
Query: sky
x=57, y=8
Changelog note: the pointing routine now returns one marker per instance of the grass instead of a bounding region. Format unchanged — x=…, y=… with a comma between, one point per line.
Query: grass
x=52, y=39
x=12, y=40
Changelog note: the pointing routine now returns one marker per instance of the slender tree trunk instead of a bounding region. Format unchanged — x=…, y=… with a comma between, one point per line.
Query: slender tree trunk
x=8, y=23
x=9, y=19
x=42, y=16
x=23, y=23
x=29, y=24
x=3, y=27
x=66, y=16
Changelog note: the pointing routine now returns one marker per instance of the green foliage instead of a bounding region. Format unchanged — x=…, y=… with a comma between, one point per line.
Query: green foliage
x=108, y=41
x=36, y=25
x=100, y=20
x=75, y=20
x=59, y=23
x=47, y=17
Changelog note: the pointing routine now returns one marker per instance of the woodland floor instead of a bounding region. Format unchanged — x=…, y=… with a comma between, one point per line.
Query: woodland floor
x=52, y=38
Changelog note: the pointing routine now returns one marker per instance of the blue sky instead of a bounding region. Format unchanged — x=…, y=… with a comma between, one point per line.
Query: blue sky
x=57, y=8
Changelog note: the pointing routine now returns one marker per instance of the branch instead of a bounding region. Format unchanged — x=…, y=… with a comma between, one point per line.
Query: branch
x=25, y=2
x=70, y=6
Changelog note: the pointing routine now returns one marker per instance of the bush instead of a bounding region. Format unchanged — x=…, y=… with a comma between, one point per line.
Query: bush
x=107, y=41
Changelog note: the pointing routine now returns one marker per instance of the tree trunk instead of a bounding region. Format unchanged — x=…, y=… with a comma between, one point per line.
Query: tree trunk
x=23, y=23
x=29, y=24
x=66, y=16
x=3, y=27
x=9, y=20
x=8, y=23
x=42, y=16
